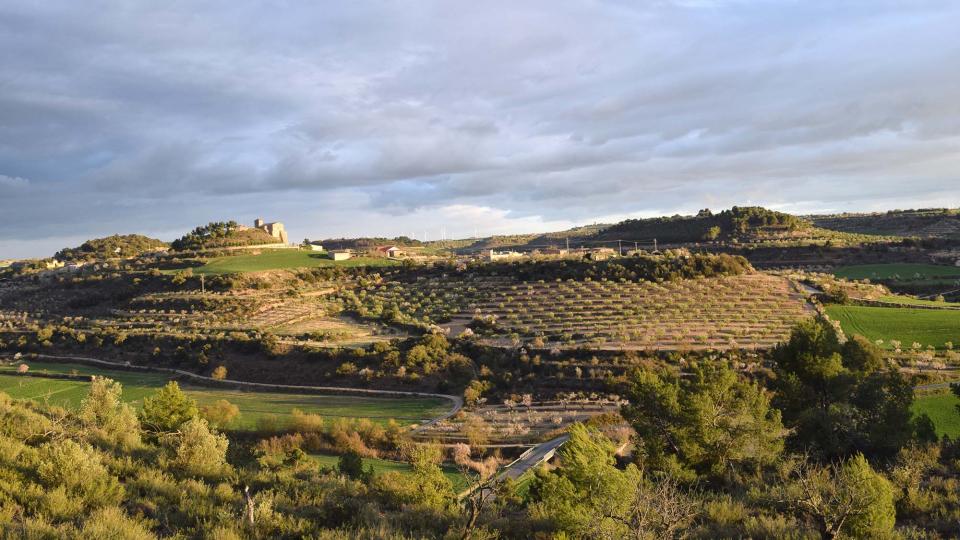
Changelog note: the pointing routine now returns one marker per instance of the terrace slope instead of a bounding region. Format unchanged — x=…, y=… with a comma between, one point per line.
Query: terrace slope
x=737, y=311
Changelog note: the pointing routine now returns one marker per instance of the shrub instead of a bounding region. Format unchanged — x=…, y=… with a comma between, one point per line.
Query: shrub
x=78, y=470
x=113, y=524
x=167, y=409
x=219, y=373
x=220, y=413
x=198, y=451
x=115, y=421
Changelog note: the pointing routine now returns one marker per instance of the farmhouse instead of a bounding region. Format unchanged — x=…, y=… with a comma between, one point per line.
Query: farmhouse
x=389, y=251
x=500, y=255
x=600, y=254
x=274, y=229
x=341, y=254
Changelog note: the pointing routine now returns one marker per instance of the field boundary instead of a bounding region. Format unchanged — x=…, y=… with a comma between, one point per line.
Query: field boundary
x=456, y=401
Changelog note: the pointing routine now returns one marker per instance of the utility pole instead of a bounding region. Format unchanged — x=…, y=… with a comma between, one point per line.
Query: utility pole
x=635, y=248
x=620, y=247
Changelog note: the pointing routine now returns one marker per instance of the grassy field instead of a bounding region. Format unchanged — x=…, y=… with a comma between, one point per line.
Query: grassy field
x=253, y=405
x=909, y=300
x=380, y=466
x=280, y=259
x=942, y=409
x=903, y=272
x=924, y=326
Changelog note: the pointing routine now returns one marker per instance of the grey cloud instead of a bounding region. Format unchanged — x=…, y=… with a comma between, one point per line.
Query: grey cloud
x=162, y=116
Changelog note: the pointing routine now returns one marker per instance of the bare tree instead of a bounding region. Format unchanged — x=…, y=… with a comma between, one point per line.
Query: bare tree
x=659, y=510
x=483, y=478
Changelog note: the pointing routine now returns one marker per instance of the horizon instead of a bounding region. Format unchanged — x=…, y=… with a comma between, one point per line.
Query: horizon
x=154, y=120
x=449, y=237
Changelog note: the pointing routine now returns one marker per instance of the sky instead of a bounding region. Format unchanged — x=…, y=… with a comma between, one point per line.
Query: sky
x=457, y=118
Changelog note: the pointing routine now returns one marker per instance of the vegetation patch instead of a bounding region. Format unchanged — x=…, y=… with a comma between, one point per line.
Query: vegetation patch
x=257, y=409
x=941, y=407
x=380, y=466
x=127, y=245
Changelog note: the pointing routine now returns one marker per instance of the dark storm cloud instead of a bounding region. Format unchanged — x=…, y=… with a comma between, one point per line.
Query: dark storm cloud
x=378, y=117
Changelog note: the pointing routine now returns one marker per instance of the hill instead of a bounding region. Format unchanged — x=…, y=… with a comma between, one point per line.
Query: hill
x=924, y=223
x=220, y=234
x=750, y=222
x=557, y=239
x=127, y=245
x=638, y=303
x=745, y=224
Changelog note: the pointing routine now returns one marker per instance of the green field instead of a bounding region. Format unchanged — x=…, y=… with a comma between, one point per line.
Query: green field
x=924, y=326
x=904, y=272
x=380, y=466
x=909, y=300
x=281, y=259
x=941, y=407
x=253, y=405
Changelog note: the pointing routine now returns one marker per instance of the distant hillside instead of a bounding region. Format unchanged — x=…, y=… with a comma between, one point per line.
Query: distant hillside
x=127, y=245
x=365, y=243
x=924, y=223
x=533, y=240
x=219, y=234
x=742, y=223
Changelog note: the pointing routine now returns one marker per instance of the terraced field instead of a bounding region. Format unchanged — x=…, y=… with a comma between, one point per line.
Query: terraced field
x=254, y=406
x=747, y=311
x=307, y=313
x=906, y=325
x=280, y=259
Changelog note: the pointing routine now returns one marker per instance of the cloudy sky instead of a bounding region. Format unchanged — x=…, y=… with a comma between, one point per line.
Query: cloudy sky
x=402, y=117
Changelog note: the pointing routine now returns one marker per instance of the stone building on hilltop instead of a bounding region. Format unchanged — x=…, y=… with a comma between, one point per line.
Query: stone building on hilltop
x=274, y=229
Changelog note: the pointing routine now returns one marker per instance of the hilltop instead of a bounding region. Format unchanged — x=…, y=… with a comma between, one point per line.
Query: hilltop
x=127, y=245
x=219, y=234
x=751, y=222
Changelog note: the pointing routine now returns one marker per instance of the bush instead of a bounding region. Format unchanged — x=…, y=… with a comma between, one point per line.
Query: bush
x=167, y=409
x=198, y=451
x=220, y=413
x=115, y=422
x=113, y=524
x=79, y=472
